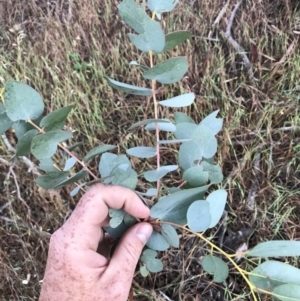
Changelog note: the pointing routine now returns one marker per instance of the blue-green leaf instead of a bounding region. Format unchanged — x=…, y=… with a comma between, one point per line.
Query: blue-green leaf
x=173, y=208
x=162, y=6
x=217, y=201
x=173, y=141
x=175, y=38
x=78, y=176
x=5, y=121
x=157, y=242
x=149, y=192
x=129, y=89
x=149, y=121
x=47, y=165
x=76, y=190
x=213, y=123
x=214, y=172
x=198, y=216
x=184, y=130
x=165, y=126
x=153, y=264
x=70, y=163
x=44, y=146
x=271, y=274
x=142, y=152
x=116, y=217
x=21, y=127
x=181, y=117
x=75, y=145
x=22, y=101
x=195, y=176
x=155, y=175
x=51, y=179
x=97, y=151
x=170, y=235
x=206, y=140
x=179, y=101
x=152, y=39
x=169, y=71
x=134, y=63
x=126, y=178
x=276, y=248
x=56, y=119
x=106, y=164
x=287, y=292
x=24, y=143
x=143, y=270
x=215, y=266
x=189, y=153
x=133, y=15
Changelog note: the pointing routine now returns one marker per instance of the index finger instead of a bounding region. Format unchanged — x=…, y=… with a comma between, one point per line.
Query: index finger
x=92, y=210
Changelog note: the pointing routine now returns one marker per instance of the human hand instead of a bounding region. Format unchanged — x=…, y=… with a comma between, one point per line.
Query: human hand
x=75, y=271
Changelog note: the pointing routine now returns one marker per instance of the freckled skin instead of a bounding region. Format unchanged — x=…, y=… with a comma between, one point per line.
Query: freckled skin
x=75, y=271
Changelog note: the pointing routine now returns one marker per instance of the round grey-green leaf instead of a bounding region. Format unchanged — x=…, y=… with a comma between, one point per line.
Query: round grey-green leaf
x=170, y=235
x=117, y=216
x=157, y=242
x=24, y=143
x=287, y=292
x=45, y=145
x=22, y=101
x=195, y=176
x=198, y=216
x=216, y=267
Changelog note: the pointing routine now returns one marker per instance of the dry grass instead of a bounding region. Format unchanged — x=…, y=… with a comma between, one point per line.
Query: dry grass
x=65, y=51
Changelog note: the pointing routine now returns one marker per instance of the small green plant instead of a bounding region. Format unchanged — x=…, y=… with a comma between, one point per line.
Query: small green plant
x=185, y=207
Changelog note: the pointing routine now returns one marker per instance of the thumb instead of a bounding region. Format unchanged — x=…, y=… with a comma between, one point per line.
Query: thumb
x=129, y=249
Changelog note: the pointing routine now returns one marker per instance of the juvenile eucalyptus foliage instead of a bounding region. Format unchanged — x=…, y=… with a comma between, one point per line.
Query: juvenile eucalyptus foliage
x=187, y=206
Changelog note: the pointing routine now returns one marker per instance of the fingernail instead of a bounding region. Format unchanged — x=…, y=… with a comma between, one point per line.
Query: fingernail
x=143, y=232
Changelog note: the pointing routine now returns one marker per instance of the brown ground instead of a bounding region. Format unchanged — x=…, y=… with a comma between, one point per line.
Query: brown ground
x=258, y=147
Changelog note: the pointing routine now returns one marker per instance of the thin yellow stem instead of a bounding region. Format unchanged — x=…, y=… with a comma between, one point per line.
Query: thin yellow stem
x=66, y=150
x=241, y=271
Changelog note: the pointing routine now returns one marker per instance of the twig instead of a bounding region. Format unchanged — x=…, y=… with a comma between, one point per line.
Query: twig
x=236, y=45
x=8, y=220
x=255, y=184
x=217, y=20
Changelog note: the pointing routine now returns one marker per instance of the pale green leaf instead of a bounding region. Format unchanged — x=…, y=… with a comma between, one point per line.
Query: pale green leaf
x=166, y=126
x=56, y=119
x=97, y=151
x=116, y=217
x=24, y=143
x=157, y=242
x=143, y=270
x=183, y=100
x=157, y=174
x=44, y=146
x=22, y=101
x=271, y=274
x=276, y=248
x=215, y=266
x=195, y=176
x=129, y=89
x=213, y=123
x=175, y=38
x=148, y=121
x=142, y=151
x=287, y=292
x=76, y=190
x=51, y=179
x=170, y=235
x=162, y=6
x=198, y=216
x=133, y=15
x=152, y=39
x=217, y=201
x=214, y=172
x=5, y=121
x=169, y=71
x=70, y=163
